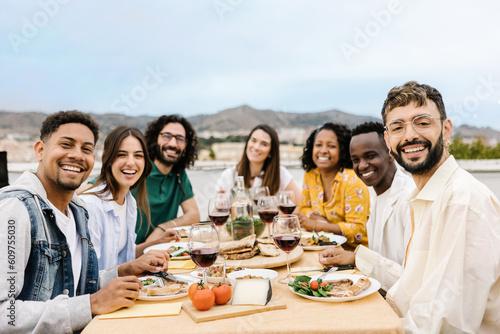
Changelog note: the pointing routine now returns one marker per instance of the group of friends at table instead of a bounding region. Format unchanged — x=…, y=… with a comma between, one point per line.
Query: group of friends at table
x=413, y=219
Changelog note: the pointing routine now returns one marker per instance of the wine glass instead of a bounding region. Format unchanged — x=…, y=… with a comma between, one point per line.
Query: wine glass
x=286, y=201
x=257, y=192
x=286, y=234
x=267, y=209
x=203, y=246
x=218, y=209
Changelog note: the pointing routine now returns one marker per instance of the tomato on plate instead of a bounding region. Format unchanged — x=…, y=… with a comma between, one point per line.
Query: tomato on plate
x=223, y=293
x=314, y=285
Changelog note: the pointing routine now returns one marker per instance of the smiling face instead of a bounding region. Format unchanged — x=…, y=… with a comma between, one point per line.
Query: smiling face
x=371, y=161
x=66, y=158
x=258, y=147
x=169, y=152
x=419, y=153
x=326, y=151
x=128, y=165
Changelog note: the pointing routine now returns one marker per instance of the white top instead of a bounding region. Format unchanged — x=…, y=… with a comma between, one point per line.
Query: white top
x=121, y=211
x=67, y=225
x=451, y=282
x=227, y=180
x=106, y=227
x=389, y=230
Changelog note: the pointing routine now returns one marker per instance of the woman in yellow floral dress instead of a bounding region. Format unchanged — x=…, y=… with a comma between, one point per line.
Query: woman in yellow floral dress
x=334, y=199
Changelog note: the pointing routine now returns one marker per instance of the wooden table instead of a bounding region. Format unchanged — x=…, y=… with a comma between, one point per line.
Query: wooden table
x=368, y=315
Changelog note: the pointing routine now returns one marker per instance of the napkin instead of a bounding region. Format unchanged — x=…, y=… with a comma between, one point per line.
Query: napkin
x=145, y=310
x=187, y=264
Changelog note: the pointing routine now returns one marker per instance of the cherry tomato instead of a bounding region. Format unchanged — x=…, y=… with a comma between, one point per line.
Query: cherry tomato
x=223, y=293
x=314, y=285
x=304, y=284
x=323, y=284
x=185, y=254
x=203, y=298
x=194, y=287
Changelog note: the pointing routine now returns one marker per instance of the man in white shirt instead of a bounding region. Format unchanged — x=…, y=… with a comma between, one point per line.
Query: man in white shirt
x=389, y=226
x=450, y=282
x=49, y=279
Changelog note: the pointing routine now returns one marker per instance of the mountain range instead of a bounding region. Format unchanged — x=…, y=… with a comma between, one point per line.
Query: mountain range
x=239, y=121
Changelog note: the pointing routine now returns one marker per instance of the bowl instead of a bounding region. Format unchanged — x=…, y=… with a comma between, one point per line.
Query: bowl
x=264, y=273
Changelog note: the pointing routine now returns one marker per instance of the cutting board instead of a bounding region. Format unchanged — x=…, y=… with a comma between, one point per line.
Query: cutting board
x=261, y=261
x=228, y=311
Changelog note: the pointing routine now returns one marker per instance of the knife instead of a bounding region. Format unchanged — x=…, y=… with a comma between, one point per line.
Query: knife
x=179, y=251
x=325, y=269
x=169, y=277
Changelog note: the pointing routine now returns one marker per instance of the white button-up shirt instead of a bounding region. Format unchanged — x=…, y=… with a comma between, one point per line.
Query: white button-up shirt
x=389, y=230
x=451, y=280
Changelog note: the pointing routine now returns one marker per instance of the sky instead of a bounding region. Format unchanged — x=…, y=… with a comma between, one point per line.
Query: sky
x=202, y=56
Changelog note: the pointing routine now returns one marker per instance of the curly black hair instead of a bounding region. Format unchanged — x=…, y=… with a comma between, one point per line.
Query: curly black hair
x=368, y=127
x=343, y=136
x=52, y=123
x=190, y=153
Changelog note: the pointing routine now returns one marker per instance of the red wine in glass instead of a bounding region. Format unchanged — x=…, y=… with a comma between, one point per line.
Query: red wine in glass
x=287, y=243
x=204, y=257
x=267, y=216
x=287, y=208
x=219, y=218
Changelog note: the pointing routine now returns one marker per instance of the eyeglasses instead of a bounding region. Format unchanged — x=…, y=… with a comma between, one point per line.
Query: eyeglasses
x=420, y=124
x=167, y=136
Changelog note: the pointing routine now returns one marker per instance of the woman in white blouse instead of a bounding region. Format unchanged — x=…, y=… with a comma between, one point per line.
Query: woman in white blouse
x=260, y=165
x=111, y=206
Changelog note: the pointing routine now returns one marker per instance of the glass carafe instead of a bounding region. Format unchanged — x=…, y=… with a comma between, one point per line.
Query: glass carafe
x=241, y=212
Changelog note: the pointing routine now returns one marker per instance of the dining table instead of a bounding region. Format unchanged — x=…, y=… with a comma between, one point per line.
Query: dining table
x=370, y=314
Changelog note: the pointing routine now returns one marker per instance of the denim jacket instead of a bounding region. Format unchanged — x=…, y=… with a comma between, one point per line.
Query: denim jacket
x=41, y=263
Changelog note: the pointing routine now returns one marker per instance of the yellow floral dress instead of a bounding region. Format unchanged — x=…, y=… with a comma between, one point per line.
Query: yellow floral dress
x=349, y=206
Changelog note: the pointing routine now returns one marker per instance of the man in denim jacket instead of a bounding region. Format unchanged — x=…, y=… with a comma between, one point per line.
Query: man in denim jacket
x=49, y=277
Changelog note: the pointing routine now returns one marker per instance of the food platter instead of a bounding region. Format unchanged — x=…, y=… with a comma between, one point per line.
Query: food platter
x=261, y=261
x=210, y=279
x=167, y=245
x=168, y=297
x=374, y=287
x=339, y=239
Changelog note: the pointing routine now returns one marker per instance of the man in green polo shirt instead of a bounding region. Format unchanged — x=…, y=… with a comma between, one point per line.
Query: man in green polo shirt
x=172, y=145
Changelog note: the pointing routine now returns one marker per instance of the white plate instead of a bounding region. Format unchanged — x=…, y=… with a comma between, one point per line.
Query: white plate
x=374, y=287
x=184, y=229
x=333, y=237
x=169, y=297
x=167, y=245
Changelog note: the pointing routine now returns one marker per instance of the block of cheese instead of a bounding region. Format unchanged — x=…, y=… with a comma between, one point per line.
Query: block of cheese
x=254, y=291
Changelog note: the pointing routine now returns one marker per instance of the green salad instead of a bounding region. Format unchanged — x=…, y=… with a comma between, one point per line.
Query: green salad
x=304, y=286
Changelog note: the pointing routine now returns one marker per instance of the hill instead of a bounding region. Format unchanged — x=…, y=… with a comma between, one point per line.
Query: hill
x=239, y=120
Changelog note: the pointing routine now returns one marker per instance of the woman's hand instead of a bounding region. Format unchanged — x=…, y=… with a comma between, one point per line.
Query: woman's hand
x=153, y=261
x=306, y=222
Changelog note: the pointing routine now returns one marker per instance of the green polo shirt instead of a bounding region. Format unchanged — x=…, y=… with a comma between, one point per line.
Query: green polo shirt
x=165, y=196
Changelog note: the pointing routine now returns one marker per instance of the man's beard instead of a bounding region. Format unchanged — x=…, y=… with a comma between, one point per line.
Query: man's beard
x=167, y=161
x=69, y=185
x=432, y=159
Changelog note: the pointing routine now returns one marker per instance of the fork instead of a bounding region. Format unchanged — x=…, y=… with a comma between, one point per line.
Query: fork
x=332, y=269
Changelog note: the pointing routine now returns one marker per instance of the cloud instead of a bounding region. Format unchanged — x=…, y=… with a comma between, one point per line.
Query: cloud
x=281, y=55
